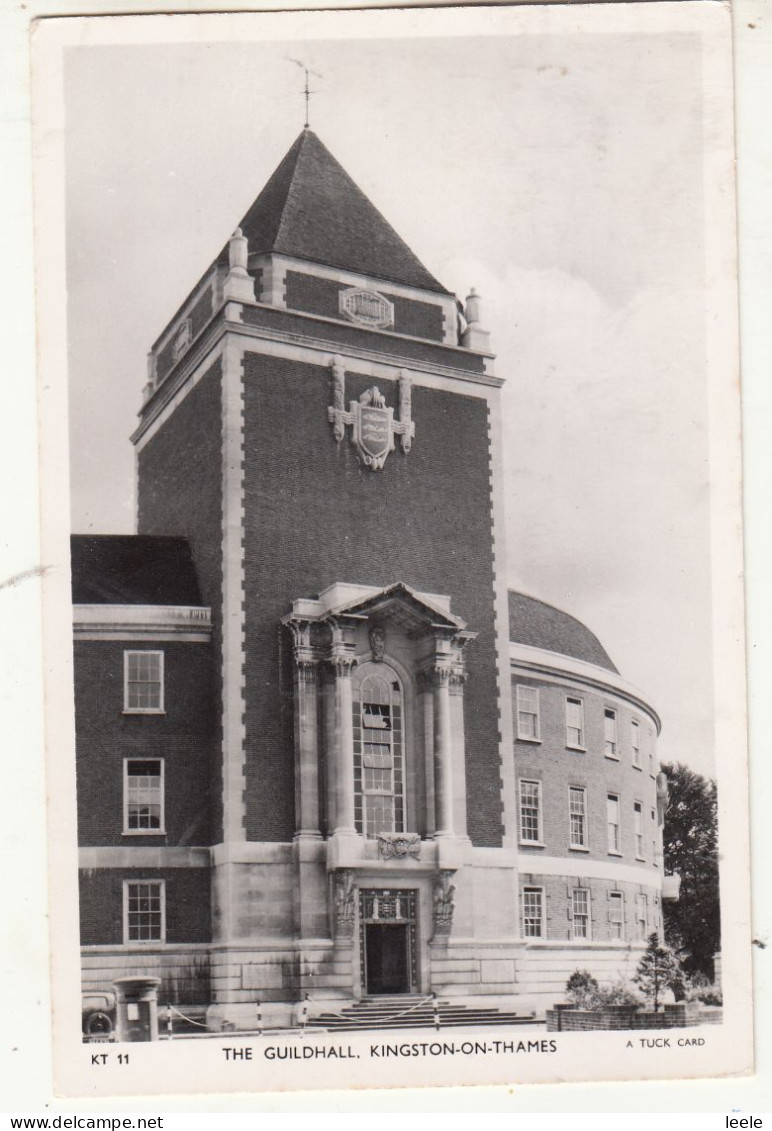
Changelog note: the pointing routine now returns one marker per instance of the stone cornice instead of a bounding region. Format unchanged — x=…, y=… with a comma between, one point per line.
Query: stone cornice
x=555, y=665
x=192, y=624
x=219, y=325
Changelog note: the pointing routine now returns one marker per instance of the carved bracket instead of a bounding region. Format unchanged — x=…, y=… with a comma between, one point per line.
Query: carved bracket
x=399, y=845
x=372, y=423
x=345, y=904
x=443, y=904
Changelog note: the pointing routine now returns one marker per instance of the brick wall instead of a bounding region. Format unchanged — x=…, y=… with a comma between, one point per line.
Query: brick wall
x=179, y=473
x=343, y=335
x=583, y=1021
x=557, y=906
x=188, y=912
x=183, y=737
x=558, y=768
x=315, y=515
x=317, y=295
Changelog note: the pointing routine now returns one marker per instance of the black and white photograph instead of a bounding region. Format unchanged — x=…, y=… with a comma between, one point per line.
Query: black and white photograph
x=394, y=429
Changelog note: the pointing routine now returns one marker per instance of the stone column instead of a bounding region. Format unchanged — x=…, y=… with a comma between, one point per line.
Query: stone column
x=457, y=681
x=306, y=732
x=343, y=663
x=442, y=671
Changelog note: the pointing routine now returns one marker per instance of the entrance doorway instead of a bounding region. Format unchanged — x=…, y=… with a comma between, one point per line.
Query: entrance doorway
x=388, y=944
x=387, y=961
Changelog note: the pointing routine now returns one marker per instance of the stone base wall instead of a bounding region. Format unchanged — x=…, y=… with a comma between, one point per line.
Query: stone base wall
x=274, y=973
x=184, y=971
x=544, y=969
x=473, y=969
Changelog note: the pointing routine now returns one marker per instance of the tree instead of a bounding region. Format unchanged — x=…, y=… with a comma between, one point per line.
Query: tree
x=658, y=970
x=692, y=923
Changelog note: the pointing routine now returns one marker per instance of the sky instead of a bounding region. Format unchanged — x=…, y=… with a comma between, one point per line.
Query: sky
x=562, y=176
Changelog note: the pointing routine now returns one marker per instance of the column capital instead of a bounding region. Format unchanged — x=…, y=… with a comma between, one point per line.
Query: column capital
x=341, y=652
x=304, y=650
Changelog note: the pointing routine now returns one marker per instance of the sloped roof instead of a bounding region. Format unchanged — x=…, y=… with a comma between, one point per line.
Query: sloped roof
x=132, y=569
x=540, y=625
x=311, y=209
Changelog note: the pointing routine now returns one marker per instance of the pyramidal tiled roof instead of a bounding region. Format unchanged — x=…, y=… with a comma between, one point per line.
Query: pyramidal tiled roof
x=311, y=209
x=540, y=625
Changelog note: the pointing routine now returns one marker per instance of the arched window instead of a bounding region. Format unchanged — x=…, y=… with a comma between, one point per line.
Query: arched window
x=379, y=789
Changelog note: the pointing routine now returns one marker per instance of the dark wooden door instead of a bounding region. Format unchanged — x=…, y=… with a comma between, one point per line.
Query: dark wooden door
x=388, y=958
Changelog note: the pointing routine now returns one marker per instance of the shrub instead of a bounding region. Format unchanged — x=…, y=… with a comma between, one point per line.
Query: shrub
x=582, y=989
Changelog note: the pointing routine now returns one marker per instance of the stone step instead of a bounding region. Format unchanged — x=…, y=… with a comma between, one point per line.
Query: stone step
x=341, y=1025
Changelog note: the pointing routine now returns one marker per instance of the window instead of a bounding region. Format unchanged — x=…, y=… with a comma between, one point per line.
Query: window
x=575, y=723
x=638, y=829
x=533, y=907
x=577, y=817
x=635, y=741
x=616, y=914
x=527, y=712
x=143, y=795
x=144, y=911
x=580, y=913
x=641, y=915
x=379, y=796
x=143, y=682
x=610, y=733
x=530, y=812
x=612, y=819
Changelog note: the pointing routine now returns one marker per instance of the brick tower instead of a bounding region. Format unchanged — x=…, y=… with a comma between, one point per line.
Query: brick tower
x=322, y=426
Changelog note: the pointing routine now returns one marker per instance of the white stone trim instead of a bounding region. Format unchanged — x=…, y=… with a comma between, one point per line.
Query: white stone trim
x=95, y=950
x=233, y=642
x=510, y=808
x=554, y=667
x=197, y=364
x=188, y=623
x=143, y=856
x=184, y=310
x=446, y=302
x=535, y=864
x=311, y=351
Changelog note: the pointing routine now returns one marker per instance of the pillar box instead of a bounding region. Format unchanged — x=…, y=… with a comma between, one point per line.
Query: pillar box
x=136, y=1009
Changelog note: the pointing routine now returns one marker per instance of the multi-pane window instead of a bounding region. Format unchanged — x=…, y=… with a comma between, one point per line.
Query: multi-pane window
x=533, y=913
x=143, y=681
x=612, y=822
x=638, y=829
x=616, y=914
x=574, y=722
x=635, y=742
x=379, y=797
x=144, y=911
x=530, y=812
x=580, y=913
x=143, y=798
x=641, y=915
x=610, y=732
x=577, y=816
x=527, y=712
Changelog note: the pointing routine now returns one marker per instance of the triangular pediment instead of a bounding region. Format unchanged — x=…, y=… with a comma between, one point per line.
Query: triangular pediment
x=402, y=606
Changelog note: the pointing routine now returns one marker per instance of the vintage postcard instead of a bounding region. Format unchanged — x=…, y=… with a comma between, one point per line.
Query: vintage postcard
x=391, y=482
